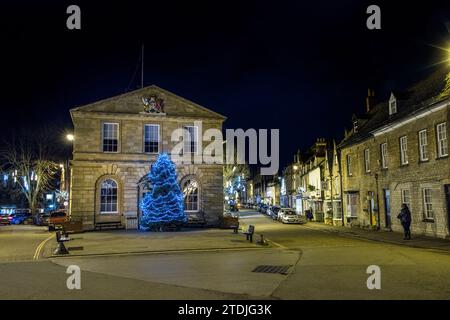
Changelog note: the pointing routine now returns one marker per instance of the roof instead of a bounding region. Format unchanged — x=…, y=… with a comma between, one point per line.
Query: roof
x=423, y=95
x=131, y=103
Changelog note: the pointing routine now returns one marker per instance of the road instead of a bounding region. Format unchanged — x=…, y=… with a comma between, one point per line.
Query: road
x=322, y=265
x=21, y=242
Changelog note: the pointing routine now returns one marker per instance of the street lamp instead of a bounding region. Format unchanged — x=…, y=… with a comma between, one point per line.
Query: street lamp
x=70, y=137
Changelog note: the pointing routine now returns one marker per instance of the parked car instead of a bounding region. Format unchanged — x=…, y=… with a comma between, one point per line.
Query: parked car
x=56, y=219
x=22, y=218
x=273, y=212
x=286, y=215
x=41, y=219
x=264, y=208
x=6, y=218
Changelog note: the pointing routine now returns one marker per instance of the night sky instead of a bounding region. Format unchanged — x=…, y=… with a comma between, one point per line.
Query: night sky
x=302, y=67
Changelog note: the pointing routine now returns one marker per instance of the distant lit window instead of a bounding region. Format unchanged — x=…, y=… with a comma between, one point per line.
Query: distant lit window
x=442, y=142
x=110, y=137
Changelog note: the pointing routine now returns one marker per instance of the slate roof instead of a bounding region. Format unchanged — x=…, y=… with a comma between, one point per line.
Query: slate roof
x=424, y=94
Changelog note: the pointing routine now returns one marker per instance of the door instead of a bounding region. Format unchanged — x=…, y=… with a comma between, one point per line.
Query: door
x=447, y=197
x=387, y=207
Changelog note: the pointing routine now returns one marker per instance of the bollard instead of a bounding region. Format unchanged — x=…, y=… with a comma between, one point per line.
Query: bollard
x=262, y=241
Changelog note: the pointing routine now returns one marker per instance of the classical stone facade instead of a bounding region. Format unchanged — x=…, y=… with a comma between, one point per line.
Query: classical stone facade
x=398, y=153
x=117, y=140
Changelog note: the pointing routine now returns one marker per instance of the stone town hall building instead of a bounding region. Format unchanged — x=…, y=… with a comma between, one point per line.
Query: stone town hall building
x=117, y=140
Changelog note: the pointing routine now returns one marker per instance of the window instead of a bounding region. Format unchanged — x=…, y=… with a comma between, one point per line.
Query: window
x=442, y=140
x=151, y=138
x=190, y=140
x=110, y=137
x=392, y=105
x=427, y=203
x=349, y=168
x=108, y=197
x=423, y=144
x=337, y=185
x=404, y=150
x=190, y=192
x=367, y=160
x=406, y=197
x=352, y=204
x=384, y=156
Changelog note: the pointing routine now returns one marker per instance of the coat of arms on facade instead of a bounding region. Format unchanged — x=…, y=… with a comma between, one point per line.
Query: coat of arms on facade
x=153, y=104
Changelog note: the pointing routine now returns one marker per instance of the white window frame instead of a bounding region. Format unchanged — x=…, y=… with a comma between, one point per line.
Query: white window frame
x=159, y=137
x=442, y=141
x=384, y=155
x=367, y=160
x=197, y=203
x=427, y=200
x=349, y=165
x=392, y=105
x=187, y=141
x=423, y=145
x=352, y=209
x=117, y=125
x=404, y=150
x=406, y=197
x=117, y=197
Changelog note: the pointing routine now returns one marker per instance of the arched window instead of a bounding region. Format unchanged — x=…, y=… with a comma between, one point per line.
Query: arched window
x=108, y=196
x=190, y=192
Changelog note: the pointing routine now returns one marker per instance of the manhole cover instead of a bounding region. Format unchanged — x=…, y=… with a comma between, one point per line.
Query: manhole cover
x=272, y=269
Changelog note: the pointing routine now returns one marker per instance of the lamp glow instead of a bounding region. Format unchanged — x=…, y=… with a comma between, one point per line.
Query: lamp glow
x=70, y=137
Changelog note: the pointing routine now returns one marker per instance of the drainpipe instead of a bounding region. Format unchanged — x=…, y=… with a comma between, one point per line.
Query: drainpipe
x=378, y=204
x=340, y=183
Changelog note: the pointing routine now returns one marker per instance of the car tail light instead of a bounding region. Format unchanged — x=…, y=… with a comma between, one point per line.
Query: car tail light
x=10, y=218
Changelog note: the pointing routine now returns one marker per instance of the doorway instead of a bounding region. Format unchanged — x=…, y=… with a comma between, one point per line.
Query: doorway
x=387, y=207
x=447, y=198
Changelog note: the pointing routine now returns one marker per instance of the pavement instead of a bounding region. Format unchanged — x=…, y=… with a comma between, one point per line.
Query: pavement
x=134, y=241
x=417, y=241
x=321, y=262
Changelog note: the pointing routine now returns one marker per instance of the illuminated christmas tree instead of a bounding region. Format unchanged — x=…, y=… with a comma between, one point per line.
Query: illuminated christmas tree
x=163, y=205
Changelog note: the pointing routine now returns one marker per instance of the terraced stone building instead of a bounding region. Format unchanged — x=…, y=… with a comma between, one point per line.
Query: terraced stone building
x=398, y=152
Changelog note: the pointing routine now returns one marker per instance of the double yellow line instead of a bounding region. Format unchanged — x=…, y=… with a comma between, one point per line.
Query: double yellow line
x=39, y=248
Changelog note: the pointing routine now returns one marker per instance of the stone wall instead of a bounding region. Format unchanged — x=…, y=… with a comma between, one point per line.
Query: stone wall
x=416, y=175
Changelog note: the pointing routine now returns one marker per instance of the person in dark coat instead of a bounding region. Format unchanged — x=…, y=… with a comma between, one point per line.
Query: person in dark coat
x=405, y=219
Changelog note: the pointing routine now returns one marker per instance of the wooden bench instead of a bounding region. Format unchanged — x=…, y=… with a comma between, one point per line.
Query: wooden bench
x=109, y=225
x=249, y=233
x=72, y=227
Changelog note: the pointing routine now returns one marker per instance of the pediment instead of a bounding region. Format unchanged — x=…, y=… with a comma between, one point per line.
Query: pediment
x=150, y=100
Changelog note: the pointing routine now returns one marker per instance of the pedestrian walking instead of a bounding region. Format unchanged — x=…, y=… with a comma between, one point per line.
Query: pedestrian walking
x=405, y=219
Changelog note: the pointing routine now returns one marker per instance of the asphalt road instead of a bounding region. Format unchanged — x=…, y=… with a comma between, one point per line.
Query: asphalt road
x=21, y=242
x=322, y=265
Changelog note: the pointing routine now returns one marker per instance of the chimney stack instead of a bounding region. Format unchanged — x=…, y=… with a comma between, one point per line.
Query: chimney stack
x=370, y=100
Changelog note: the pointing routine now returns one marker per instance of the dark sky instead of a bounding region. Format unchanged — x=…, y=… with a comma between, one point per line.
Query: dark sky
x=302, y=67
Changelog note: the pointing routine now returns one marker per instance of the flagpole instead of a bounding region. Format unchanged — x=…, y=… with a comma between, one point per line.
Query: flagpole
x=142, y=67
